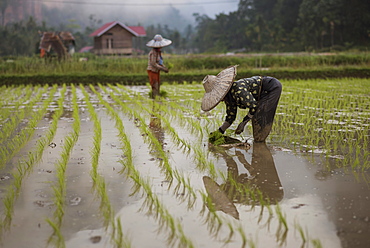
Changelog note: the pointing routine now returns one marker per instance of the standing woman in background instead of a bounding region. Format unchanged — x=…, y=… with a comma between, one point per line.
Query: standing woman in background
x=155, y=62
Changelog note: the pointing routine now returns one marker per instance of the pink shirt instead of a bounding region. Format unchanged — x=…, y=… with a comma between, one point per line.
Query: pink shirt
x=154, y=57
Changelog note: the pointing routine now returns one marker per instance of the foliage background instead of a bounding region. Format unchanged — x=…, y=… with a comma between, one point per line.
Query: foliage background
x=256, y=26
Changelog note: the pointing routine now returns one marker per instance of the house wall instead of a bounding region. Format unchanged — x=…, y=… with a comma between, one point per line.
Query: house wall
x=117, y=40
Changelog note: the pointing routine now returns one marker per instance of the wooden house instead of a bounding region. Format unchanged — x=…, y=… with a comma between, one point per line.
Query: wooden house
x=115, y=38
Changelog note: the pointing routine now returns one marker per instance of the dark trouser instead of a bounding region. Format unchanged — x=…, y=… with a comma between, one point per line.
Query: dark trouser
x=267, y=104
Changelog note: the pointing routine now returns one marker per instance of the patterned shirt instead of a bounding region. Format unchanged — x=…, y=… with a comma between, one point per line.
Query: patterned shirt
x=155, y=61
x=243, y=93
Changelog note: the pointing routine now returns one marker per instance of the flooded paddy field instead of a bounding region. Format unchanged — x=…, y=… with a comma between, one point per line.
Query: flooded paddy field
x=107, y=166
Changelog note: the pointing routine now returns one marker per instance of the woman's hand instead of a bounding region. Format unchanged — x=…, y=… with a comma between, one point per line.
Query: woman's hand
x=224, y=126
x=240, y=127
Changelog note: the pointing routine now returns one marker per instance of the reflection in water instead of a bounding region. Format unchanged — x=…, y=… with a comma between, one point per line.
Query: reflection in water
x=155, y=126
x=259, y=185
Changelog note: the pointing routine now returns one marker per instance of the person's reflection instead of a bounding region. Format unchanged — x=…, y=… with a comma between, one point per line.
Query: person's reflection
x=260, y=183
x=155, y=125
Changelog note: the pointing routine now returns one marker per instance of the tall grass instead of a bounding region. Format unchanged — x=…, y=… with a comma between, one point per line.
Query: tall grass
x=182, y=63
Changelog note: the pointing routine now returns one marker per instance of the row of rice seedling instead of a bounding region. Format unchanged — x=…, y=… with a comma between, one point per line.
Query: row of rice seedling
x=12, y=120
x=316, y=116
x=59, y=188
x=117, y=237
x=202, y=161
x=98, y=181
x=152, y=203
x=16, y=134
x=25, y=165
x=155, y=209
x=252, y=195
x=11, y=100
x=188, y=129
x=215, y=222
x=330, y=118
x=156, y=112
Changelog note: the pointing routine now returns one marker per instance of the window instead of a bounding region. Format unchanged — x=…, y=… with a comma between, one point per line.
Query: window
x=109, y=43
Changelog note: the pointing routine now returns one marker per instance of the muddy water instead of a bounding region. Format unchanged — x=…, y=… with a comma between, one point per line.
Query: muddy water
x=331, y=207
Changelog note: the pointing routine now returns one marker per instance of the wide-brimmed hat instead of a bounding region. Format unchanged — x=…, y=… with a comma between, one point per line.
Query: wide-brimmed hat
x=158, y=41
x=219, y=198
x=216, y=87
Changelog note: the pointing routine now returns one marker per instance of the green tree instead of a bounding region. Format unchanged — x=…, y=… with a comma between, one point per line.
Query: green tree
x=20, y=38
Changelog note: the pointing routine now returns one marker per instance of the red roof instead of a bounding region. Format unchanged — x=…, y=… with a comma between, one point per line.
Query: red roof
x=135, y=30
x=85, y=49
x=139, y=30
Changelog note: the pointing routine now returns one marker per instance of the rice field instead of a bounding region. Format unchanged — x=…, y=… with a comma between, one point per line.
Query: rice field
x=107, y=166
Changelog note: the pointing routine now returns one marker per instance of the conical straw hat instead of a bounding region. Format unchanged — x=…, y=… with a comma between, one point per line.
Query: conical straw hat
x=216, y=87
x=219, y=198
x=158, y=41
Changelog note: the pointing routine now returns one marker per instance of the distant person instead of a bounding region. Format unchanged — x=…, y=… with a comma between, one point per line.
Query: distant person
x=260, y=94
x=155, y=62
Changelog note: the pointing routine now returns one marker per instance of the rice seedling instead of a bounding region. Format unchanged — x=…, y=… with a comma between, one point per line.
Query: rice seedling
x=180, y=178
x=118, y=237
x=154, y=207
x=318, y=124
x=212, y=219
x=9, y=206
x=19, y=138
x=59, y=188
x=59, y=238
x=316, y=243
x=99, y=183
x=120, y=127
x=302, y=233
x=244, y=238
x=331, y=113
x=282, y=231
x=23, y=168
x=181, y=143
x=151, y=139
x=12, y=119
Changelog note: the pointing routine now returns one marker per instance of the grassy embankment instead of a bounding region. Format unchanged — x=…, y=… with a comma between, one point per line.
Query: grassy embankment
x=185, y=68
